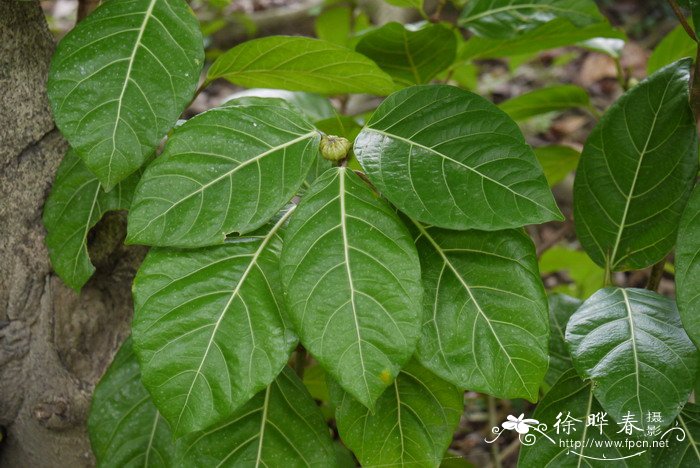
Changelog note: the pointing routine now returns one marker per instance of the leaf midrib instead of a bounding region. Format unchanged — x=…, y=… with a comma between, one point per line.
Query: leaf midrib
x=343, y=228
x=132, y=59
x=234, y=294
x=524, y=6
x=459, y=163
x=447, y=262
x=628, y=201
x=223, y=176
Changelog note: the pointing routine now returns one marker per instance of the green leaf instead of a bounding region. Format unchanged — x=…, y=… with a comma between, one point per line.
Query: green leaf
x=450, y=158
x=544, y=100
x=557, y=162
x=76, y=203
x=352, y=283
x=473, y=282
x=561, y=308
x=688, y=267
x=208, y=327
x=684, y=452
x=595, y=448
x=300, y=64
x=120, y=79
x=631, y=344
x=124, y=425
x=675, y=46
x=636, y=170
x=334, y=25
x=410, y=54
x=411, y=426
x=280, y=426
x=556, y=33
x=498, y=19
x=417, y=4
x=313, y=106
x=586, y=275
x=226, y=170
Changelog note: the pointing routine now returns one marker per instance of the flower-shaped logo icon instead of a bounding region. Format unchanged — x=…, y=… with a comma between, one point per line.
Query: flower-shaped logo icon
x=519, y=424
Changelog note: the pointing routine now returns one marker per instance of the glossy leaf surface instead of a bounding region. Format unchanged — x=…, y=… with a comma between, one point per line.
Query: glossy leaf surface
x=208, y=327
x=411, y=55
x=450, y=158
x=280, y=426
x=636, y=172
x=412, y=424
x=485, y=309
x=300, y=64
x=227, y=170
x=684, y=452
x=688, y=267
x=596, y=445
x=630, y=343
x=498, y=19
x=124, y=425
x=76, y=203
x=352, y=283
x=556, y=33
x=120, y=79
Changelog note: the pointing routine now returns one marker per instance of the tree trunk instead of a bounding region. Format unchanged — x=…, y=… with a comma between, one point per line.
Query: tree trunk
x=54, y=343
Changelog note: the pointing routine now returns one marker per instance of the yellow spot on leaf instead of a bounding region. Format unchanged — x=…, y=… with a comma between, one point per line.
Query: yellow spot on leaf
x=385, y=375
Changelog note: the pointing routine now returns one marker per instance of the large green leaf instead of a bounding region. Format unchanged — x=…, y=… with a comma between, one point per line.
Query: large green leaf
x=561, y=308
x=583, y=445
x=411, y=55
x=280, y=426
x=557, y=162
x=76, y=203
x=556, y=33
x=499, y=19
x=412, y=424
x=473, y=282
x=300, y=64
x=227, y=170
x=120, y=79
x=208, y=327
x=688, y=267
x=636, y=172
x=631, y=344
x=675, y=46
x=124, y=425
x=448, y=157
x=684, y=447
x=543, y=100
x=352, y=283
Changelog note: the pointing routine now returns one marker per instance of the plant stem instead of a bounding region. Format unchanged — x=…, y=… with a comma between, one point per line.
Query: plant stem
x=493, y=422
x=300, y=361
x=201, y=88
x=657, y=271
x=681, y=17
x=438, y=11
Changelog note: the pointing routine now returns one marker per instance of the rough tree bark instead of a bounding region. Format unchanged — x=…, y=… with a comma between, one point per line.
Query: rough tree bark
x=54, y=343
